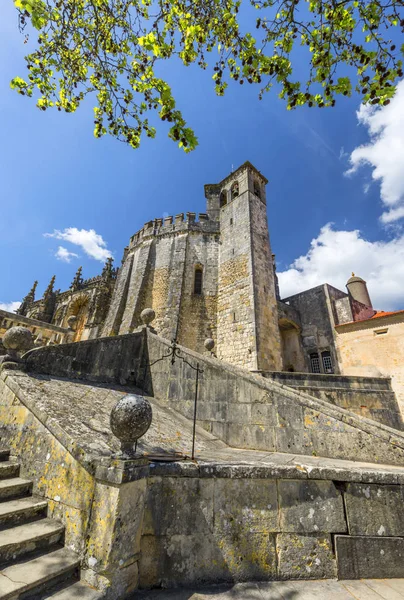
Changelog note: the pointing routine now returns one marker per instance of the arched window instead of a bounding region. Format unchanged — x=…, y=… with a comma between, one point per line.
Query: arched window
x=257, y=189
x=198, y=281
x=234, y=190
x=223, y=198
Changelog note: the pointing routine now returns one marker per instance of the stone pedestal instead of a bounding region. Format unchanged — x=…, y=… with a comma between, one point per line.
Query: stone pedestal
x=113, y=543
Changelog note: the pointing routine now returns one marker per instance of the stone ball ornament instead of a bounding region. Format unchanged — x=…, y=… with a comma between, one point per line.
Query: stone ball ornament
x=17, y=340
x=131, y=417
x=209, y=344
x=147, y=316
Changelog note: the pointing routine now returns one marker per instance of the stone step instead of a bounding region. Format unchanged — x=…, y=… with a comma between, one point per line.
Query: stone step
x=4, y=454
x=29, y=537
x=20, y=510
x=79, y=590
x=14, y=488
x=9, y=469
x=29, y=579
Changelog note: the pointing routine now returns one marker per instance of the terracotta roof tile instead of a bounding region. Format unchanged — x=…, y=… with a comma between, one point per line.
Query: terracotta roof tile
x=378, y=315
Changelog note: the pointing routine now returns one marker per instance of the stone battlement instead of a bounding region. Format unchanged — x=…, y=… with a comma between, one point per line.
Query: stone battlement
x=172, y=224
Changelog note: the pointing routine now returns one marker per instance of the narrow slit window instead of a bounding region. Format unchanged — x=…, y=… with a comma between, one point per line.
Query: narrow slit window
x=257, y=189
x=198, y=281
x=315, y=363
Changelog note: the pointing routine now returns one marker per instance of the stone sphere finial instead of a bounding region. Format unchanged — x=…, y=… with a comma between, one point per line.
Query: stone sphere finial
x=209, y=344
x=147, y=315
x=71, y=321
x=18, y=339
x=130, y=418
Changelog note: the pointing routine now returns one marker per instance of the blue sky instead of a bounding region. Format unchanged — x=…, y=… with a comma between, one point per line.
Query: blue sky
x=55, y=175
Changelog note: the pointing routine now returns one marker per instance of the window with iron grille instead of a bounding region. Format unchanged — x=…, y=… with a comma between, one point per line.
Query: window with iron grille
x=315, y=363
x=327, y=362
x=198, y=281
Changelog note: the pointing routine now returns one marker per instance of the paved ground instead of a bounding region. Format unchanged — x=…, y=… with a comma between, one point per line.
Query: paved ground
x=369, y=589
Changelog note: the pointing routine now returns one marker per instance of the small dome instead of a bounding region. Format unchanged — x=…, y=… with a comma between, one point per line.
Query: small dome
x=354, y=279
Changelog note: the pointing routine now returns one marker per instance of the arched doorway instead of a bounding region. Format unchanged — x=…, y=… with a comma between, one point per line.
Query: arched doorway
x=292, y=351
x=79, y=309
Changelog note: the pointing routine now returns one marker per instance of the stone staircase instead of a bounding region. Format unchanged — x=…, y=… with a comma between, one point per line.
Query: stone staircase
x=33, y=562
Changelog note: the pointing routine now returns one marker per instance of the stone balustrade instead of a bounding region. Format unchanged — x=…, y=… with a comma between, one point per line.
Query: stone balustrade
x=44, y=334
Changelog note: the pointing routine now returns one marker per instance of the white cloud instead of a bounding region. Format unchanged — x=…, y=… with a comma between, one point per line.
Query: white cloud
x=385, y=152
x=89, y=240
x=64, y=255
x=9, y=306
x=333, y=255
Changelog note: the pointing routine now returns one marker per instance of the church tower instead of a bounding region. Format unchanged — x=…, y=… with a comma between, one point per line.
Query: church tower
x=247, y=314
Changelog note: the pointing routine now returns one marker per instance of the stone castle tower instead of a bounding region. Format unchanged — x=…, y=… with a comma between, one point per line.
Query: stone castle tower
x=206, y=277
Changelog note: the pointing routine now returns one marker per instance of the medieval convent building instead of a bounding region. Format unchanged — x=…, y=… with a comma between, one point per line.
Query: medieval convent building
x=213, y=275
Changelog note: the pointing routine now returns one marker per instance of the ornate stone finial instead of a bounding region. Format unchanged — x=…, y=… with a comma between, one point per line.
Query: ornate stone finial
x=147, y=316
x=108, y=271
x=27, y=301
x=17, y=340
x=49, y=290
x=130, y=418
x=209, y=344
x=77, y=281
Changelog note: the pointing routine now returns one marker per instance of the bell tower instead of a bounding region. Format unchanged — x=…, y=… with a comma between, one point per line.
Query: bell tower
x=247, y=327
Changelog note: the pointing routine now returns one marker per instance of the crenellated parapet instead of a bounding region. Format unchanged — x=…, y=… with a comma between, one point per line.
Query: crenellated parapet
x=182, y=222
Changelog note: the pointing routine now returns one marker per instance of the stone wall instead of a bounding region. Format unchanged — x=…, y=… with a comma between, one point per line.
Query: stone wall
x=370, y=397
x=198, y=312
x=187, y=523
x=45, y=331
x=99, y=499
x=248, y=333
x=117, y=359
x=210, y=524
x=315, y=308
x=158, y=272
x=242, y=409
x=57, y=473
x=374, y=348
x=249, y=411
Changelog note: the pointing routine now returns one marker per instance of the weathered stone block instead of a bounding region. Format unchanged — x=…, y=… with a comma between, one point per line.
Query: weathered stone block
x=305, y=556
x=289, y=414
x=115, y=528
x=182, y=560
x=375, y=509
x=310, y=507
x=178, y=506
x=245, y=506
x=289, y=440
x=369, y=557
x=263, y=414
x=257, y=437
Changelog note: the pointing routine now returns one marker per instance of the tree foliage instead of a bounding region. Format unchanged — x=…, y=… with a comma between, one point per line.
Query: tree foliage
x=113, y=49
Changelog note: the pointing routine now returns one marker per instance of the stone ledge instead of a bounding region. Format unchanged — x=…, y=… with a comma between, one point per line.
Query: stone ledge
x=326, y=469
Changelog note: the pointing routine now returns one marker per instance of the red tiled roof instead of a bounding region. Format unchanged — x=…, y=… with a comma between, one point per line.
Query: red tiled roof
x=382, y=313
x=378, y=315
